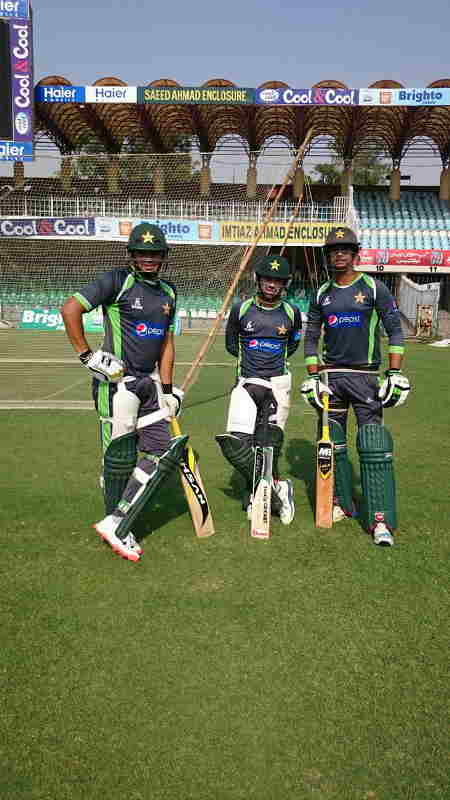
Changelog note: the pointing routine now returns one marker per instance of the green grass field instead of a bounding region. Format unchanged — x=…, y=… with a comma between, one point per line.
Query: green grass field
x=314, y=665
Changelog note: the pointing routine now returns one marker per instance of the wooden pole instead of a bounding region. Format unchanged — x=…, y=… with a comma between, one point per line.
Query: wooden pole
x=189, y=379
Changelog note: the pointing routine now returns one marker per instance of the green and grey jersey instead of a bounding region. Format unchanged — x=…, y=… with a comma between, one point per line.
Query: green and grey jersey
x=351, y=316
x=137, y=316
x=262, y=338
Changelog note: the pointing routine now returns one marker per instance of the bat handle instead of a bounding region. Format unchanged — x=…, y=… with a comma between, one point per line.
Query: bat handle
x=326, y=405
x=174, y=427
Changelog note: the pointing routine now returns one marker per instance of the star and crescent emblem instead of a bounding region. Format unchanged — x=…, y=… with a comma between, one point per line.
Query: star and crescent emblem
x=360, y=297
x=166, y=308
x=147, y=238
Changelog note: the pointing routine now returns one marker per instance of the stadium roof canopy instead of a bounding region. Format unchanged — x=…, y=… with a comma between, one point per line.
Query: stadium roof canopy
x=158, y=128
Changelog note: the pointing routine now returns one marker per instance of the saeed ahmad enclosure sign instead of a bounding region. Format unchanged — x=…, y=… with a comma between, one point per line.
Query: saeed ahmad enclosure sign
x=228, y=95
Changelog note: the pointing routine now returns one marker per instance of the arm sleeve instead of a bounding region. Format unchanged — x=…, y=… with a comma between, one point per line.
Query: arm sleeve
x=312, y=335
x=100, y=292
x=296, y=332
x=390, y=316
x=232, y=331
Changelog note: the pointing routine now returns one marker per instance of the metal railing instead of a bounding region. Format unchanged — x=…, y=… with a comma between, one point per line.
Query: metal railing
x=340, y=211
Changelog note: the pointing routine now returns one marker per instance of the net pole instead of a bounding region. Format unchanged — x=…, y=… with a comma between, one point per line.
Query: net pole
x=293, y=217
x=191, y=375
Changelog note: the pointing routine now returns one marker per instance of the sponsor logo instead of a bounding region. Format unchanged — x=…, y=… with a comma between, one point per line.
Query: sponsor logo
x=138, y=304
x=264, y=346
x=145, y=330
x=326, y=301
x=344, y=320
x=45, y=318
x=13, y=151
x=21, y=66
x=21, y=50
x=369, y=97
x=297, y=336
x=60, y=94
x=204, y=230
x=14, y=8
x=111, y=94
x=386, y=97
x=420, y=96
x=22, y=123
x=47, y=227
x=269, y=95
x=309, y=97
x=189, y=475
x=249, y=326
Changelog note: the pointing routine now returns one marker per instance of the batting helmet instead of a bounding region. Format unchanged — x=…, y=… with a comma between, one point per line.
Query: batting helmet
x=273, y=267
x=147, y=238
x=341, y=236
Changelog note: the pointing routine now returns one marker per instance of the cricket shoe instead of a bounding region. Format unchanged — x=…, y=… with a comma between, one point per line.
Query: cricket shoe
x=127, y=548
x=338, y=514
x=285, y=494
x=382, y=535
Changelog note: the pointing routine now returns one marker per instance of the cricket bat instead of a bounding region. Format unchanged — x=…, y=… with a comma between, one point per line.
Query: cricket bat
x=262, y=485
x=193, y=489
x=324, y=472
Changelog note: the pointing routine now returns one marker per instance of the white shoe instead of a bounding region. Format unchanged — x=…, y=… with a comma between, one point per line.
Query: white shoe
x=338, y=514
x=127, y=548
x=382, y=535
x=285, y=493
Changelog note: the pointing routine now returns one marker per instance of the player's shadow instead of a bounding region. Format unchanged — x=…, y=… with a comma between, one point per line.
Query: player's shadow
x=168, y=504
x=300, y=455
x=236, y=486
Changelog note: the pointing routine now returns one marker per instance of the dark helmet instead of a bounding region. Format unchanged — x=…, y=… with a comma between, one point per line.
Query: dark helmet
x=274, y=267
x=341, y=236
x=147, y=238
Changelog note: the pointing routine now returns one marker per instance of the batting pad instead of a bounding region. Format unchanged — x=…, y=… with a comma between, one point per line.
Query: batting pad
x=375, y=448
x=147, y=484
x=239, y=453
x=342, y=469
x=119, y=462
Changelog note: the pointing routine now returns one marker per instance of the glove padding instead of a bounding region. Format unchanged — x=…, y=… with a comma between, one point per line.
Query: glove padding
x=105, y=366
x=394, y=390
x=173, y=402
x=311, y=389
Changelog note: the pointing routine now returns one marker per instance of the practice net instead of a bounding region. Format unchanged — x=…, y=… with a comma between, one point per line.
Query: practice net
x=43, y=260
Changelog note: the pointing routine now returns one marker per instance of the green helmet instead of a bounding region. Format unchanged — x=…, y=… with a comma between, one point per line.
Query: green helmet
x=147, y=238
x=341, y=236
x=274, y=267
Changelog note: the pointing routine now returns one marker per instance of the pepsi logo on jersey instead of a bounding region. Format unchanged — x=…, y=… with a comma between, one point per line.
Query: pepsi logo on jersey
x=145, y=330
x=344, y=320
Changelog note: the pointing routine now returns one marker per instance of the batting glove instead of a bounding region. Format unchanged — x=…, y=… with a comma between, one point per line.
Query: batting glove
x=103, y=366
x=311, y=391
x=172, y=398
x=395, y=389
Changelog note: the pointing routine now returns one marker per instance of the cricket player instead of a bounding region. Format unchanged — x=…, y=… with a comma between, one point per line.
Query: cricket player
x=132, y=381
x=348, y=309
x=262, y=332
